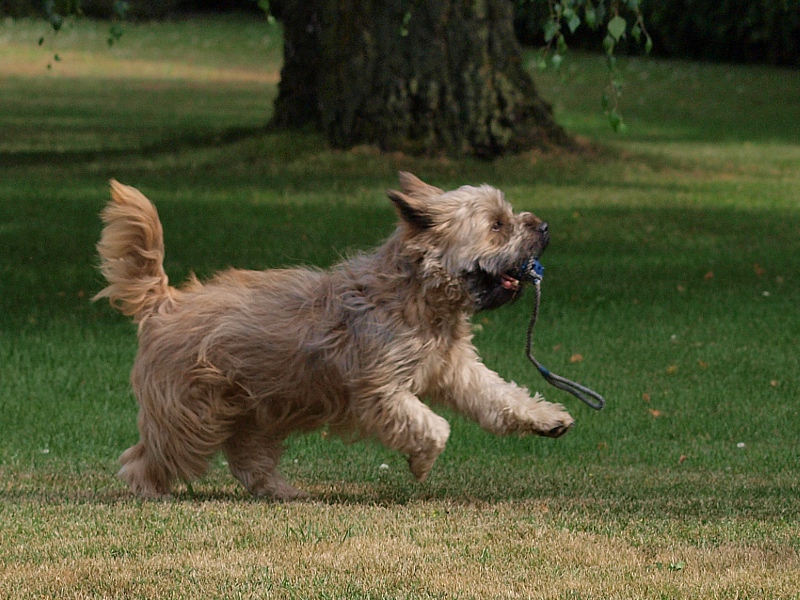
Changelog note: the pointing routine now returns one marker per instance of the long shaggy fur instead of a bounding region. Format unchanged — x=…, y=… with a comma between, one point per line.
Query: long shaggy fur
x=239, y=362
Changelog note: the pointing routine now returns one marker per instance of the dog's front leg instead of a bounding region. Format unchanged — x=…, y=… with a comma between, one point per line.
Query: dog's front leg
x=403, y=423
x=479, y=393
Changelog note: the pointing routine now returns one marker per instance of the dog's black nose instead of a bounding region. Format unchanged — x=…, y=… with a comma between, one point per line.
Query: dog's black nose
x=542, y=228
x=544, y=234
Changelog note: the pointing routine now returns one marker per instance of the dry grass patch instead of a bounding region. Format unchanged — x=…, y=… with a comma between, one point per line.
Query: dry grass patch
x=424, y=549
x=72, y=64
x=201, y=50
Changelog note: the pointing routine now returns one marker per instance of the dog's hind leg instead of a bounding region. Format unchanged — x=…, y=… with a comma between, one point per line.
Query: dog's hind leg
x=145, y=475
x=253, y=456
x=169, y=450
x=403, y=423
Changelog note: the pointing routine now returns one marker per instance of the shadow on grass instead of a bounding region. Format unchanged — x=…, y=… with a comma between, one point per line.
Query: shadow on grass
x=171, y=145
x=570, y=490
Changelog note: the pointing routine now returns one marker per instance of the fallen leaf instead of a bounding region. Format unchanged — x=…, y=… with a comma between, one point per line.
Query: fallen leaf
x=709, y=275
x=774, y=383
x=655, y=412
x=759, y=270
x=557, y=347
x=672, y=369
x=680, y=288
x=602, y=446
x=541, y=507
x=576, y=358
x=646, y=397
x=703, y=364
x=682, y=458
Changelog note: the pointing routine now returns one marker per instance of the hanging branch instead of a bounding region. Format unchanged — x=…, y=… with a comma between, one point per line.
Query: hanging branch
x=594, y=13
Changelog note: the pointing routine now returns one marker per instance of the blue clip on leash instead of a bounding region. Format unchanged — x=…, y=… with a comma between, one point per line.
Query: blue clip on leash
x=533, y=271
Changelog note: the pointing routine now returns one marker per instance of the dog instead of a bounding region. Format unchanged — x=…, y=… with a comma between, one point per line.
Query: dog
x=237, y=363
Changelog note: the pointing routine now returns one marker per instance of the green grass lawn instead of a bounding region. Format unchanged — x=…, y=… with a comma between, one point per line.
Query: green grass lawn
x=672, y=287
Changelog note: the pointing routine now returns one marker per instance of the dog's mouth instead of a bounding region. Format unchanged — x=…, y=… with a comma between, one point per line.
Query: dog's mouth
x=510, y=282
x=528, y=270
x=491, y=290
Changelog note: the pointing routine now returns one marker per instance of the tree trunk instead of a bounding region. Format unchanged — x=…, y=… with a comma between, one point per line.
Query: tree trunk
x=420, y=76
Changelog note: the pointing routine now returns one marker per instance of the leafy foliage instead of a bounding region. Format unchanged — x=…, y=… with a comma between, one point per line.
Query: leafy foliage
x=764, y=31
x=620, y=19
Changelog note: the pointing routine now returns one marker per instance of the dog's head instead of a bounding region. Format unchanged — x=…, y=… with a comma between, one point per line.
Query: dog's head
x=471, y=234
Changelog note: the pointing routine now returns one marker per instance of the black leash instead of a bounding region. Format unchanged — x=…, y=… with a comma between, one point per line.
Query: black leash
x=533, y=271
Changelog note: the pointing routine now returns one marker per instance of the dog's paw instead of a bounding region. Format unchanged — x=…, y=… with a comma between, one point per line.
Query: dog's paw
x=421, y=465
x=275, y=488
x=538, y=418
x=431, y=446
x=555, y=421
x=560, y=429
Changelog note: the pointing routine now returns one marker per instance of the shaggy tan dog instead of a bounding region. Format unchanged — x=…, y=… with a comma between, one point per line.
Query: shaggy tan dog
x=238, y=363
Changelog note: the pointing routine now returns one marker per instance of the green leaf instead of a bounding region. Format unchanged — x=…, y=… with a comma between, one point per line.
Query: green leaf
x=636, y=32
x=648, y=45
x=121, y=8
x=608, y=44
x=600, y=9
x=616, y=27
x=573, y=22
x=556, y=61
x=114, y=33
x=541, y=62
x=615, y=119
x=550, y=30
x=41, y=40
x=562, y=44
x=590, y=15
x=633, y=5
x=56, y=22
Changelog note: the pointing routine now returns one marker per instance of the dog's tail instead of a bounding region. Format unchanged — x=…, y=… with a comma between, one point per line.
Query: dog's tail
x=132, y=255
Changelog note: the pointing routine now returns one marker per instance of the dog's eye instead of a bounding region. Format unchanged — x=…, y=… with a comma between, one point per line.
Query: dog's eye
x=497, y=225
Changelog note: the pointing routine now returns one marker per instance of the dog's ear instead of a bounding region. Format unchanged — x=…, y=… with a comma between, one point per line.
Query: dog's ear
x=413, y=203
x=414, y=186
x=411, y=209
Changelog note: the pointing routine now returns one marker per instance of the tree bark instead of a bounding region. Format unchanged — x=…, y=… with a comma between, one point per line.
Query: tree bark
x=419, y=76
